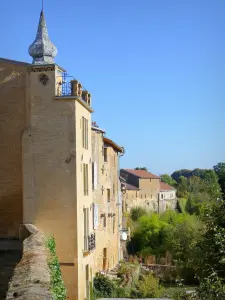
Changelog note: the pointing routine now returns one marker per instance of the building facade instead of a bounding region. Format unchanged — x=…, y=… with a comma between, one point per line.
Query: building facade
x=107, y=200
x=144, y=189
x=167, y=197
x=47, y=168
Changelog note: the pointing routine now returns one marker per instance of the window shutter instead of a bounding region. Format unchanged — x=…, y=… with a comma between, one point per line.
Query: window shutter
x=95, y=176
x=95, y=216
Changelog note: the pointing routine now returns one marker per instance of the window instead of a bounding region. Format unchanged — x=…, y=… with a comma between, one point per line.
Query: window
x=161, y=196
x=113, y=189
x=86, y=228
x=104, y=221
x=85, y=179
x=108, y=195
x=94, y=176
x=95, y=216
x=114, y=223
x=105, y=154
x=85, y=133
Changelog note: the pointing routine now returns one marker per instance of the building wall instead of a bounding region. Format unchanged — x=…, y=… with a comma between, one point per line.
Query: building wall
x=12, y=124
x=53, y=157
x=41, y=174
x=107, y=179
x=147, y=196
x=167, y=200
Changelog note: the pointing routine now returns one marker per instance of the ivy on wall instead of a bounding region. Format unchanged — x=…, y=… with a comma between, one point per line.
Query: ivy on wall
x=57, y=284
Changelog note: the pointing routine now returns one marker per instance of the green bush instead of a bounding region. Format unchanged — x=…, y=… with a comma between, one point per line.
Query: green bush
x=148, y=287
x=57, y=284
x=103, y=287
x=137, y=212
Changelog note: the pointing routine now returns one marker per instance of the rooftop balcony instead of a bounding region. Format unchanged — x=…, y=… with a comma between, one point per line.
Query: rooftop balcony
x=67, y=86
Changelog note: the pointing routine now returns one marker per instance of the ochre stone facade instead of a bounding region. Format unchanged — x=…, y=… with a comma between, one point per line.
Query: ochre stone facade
x=46, y=171
x=106, y=195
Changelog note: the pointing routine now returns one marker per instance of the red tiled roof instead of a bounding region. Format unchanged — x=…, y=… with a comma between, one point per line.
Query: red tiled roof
x=165, y=187
x=131, y=187
x=142, y=174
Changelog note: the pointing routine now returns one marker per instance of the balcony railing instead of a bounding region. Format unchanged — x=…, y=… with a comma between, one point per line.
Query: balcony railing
x=67, y=85
x=91, y=242
x=63, y=85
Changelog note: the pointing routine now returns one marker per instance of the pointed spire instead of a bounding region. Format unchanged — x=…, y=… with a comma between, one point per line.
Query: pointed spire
x=42, y=50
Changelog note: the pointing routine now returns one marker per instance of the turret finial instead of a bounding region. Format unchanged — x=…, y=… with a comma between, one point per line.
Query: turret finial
x=42, y=50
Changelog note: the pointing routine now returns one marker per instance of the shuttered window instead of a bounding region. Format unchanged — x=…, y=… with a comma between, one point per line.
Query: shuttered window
x=85, y=179
x=85, y=133
x=95, y=216
x=94, y=176
x=86, y=228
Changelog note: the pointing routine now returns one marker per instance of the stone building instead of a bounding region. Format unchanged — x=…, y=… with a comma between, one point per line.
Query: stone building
x=144, y=189
x=106, y=199
x=49, y=153
x=167, y=197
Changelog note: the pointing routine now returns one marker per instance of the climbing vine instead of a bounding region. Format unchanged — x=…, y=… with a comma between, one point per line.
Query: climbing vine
x=57, y=284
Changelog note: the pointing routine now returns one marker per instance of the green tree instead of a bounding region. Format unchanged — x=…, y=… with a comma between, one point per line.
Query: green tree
x=168, y=179
x=220, y=171
x=182, y=187
x=149, y=236
x=209, y=254
x=141, y=168
x=183, y=172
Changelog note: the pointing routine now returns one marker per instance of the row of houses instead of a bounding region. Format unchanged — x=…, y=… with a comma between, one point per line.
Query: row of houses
x=60, y=172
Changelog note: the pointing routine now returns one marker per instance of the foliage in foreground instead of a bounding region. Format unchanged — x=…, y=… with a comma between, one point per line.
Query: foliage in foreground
x=57, y=284
x=136, y=213
x=146, y=287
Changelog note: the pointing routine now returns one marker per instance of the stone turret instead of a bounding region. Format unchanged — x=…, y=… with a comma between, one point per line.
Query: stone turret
x=42, y=50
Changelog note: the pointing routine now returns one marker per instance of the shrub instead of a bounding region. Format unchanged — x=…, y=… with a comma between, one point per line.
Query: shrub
x=137, y=212
x=211, y=288
x=103, y=286
x=57, y=284
x=148, y=287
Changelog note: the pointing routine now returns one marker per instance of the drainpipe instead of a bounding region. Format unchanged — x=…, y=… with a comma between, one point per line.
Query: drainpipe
x=119, y=203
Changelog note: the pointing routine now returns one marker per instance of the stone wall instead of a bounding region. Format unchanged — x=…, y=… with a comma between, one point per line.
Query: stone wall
x=31, y=279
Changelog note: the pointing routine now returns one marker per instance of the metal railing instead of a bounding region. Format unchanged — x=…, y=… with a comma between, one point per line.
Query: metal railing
x=91, y=242
x=64, y=87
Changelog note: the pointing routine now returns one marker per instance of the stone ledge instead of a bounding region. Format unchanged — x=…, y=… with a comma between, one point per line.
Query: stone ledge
x=31, y=279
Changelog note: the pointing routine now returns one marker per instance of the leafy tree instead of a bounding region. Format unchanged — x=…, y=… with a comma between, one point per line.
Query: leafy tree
x=182, y=188
x=149, y=236
x=209, y=254
x=220, y=171
x=183, y=172
x=168, y=179
x=141, y=168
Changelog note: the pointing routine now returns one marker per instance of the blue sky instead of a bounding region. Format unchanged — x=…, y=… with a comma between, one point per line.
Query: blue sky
x=155, y=68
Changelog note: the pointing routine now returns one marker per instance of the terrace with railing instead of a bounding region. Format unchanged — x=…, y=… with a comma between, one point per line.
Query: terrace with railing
x=68, y=86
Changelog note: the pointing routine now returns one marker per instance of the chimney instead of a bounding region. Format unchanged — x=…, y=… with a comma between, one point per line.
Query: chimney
x=86, y=96
x=76, y=88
